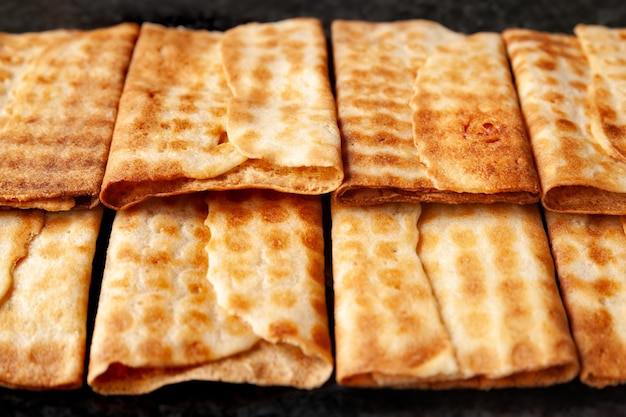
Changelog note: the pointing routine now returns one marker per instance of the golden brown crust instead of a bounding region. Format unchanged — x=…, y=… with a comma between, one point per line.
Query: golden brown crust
x=489, y=276
x=472, y=139
x=175, y=134
x=282, y=110
x=263, y=364
x=553, y=76
x=604, y=49
x=183, y=300
x=493, y=276
x=58, y=104
x=43, y=317
x=590, y=260
x=161, y=140
x=388, y=330
x=376, y=66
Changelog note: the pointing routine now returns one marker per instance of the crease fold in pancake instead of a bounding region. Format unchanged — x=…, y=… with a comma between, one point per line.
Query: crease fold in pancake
x=605, y=49
x=46, y=265
x=223, y=287
x=59, y=93
x=428, y=114
x=590, y=258
x=247, y=108
x=567, y=89
x=464, y=296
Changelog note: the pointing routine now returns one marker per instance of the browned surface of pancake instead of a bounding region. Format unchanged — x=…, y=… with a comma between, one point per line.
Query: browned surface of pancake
x=553, y=79
x=388, y=330
x=283, y=110
x=377, y=69
x=43, y=315
x=59, y=94
x=493, y=276
x=174, y=129
x=488, y=280
x=590, y=257
x=238, y=299
x=605, y=49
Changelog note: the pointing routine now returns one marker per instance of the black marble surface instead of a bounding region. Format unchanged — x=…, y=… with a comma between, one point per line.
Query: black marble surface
x=206, y=398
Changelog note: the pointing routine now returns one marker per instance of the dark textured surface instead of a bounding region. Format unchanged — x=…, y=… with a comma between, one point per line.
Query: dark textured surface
x=203, y=398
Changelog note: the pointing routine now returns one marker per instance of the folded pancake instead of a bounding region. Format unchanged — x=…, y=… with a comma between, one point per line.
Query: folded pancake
x=455, y=296
x=46, y=273
x=605, y=50
x=388, y=329
x=59, y=93
x=573, y=117
x=248, y=108
x=590, y=257
x=419, y=123
x=230, y=288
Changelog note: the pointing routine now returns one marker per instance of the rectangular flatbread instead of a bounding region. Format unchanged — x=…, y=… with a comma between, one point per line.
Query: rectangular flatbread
x=417, y=121
x=251, y=107
x=570, y=96
x=447, y=296
x=228, y=287
x=46, y=261
x=59, y=94
x=590, y=257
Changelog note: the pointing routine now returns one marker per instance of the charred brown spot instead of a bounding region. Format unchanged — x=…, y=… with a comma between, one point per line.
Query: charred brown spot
x=606, y=287
x=565, y=125
x=599, y=254
x=238, y=216
x=154, y=348
x=313, y=239
x=240, y=302
x=277, y=240
x=319, y=306
x=274, y=213
x=547, y=64
x=197, y=351
x=392, y=277
x=119, y=321
x=615, y=132
x=238, y=243
x=320, y=337
x=284, y=298
x=283, y=328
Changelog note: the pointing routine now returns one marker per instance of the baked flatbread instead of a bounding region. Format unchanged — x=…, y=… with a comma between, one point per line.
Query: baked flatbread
x=419, y=124
x=569, y=114
x=455, y=296
x=590, y=257
x=46, y=272
x=59, y=93
x=230, y=288
x=248, y=108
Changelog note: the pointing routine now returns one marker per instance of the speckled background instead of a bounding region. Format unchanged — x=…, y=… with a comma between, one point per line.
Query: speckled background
x=205, y=398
